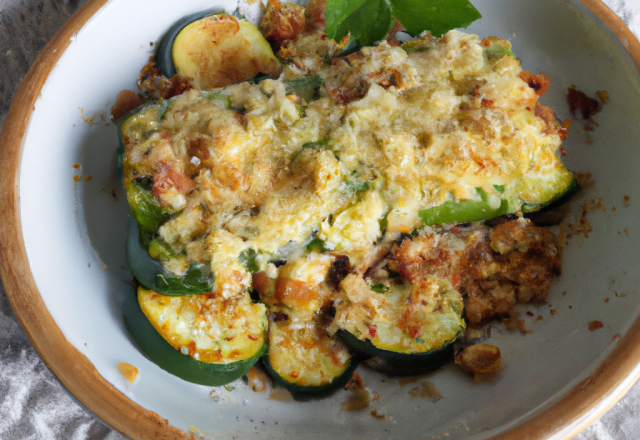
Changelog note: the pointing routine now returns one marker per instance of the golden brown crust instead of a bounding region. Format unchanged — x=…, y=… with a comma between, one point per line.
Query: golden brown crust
x=496, y=269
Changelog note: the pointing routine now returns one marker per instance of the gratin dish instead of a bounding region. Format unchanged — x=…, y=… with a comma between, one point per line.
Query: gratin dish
x=65, y=273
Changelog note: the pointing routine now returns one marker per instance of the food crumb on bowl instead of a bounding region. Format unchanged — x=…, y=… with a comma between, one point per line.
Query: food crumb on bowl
x=426, y=390
x=595, y=325
x=257, y=380
x=281, y=395
x=411, y=379
x=128, y=371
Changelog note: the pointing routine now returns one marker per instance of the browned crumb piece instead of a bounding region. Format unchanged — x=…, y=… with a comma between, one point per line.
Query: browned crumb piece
x=128, y=371
x=359, y=400
x=126, y=101
x=375, y=415
x=582, y=225
x=512, y=263
x=281, y=395
x=603, y=95
x=282, y=22
x=480, y=359
x=580, y=104
x=257, y=380
x=426, y=390
x=595, y=325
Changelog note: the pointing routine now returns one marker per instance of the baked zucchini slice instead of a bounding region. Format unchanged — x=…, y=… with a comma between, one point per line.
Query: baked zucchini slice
x=305, y=360
x=223, y=348
x=405, y=322
x=530, y=194
x=215, y=51
x=149, y=273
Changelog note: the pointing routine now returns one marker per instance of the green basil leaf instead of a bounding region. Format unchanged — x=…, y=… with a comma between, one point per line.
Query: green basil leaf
x=379, y=288
x=437, y=16
x=499, y=188
x=317, y=245
x=367, y=20
x=314, y=145
x=357, y=186
x=248, y=258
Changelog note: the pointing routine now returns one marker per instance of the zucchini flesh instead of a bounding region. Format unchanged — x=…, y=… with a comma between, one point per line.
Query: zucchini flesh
x=149, y=273
x=305, y=360
x=302, y=393
x=218, y=50
x=173, y=361
x=164, y=56
x=407, y=321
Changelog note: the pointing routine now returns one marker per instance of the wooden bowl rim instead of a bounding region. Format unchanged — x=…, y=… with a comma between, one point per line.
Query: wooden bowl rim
x=79, y=375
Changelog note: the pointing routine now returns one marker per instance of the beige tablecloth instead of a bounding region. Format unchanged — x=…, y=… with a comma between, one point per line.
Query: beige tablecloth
x=33, y=404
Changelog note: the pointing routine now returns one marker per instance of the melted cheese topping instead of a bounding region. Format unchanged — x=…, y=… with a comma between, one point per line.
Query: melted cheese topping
x=395, y=131
x=409, y=318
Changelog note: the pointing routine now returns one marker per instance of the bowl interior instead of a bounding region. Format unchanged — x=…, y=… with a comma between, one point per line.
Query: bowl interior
x=74, y=235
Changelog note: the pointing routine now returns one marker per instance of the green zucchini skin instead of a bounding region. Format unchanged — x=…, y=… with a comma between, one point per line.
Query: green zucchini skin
x=161, y=353
x=302, y=393
x=530, y=209
x=399, y=364
x=150, y=275
x=164, y=56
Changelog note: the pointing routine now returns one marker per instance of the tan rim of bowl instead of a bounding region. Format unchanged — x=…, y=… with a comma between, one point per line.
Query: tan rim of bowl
x=79, y=375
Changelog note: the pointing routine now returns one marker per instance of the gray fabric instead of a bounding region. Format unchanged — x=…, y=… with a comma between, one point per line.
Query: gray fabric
x=33, y=403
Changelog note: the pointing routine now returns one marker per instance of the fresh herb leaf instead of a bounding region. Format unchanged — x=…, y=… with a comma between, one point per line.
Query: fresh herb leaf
x=379, y=288
x=369, y=21
x=420, y=341
x=437, y=16
x=497, y=50
x=483, y=195
x=356, y=186
x=316, y=245
x=499, y=188
x=225, y=100
x=198, y=278
x=248, y=258
x=305, y=86
x=165, y=104
x=316, y=145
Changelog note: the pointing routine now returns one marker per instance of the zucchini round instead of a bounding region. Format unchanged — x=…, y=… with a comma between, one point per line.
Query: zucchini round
x=531, y=209
x=302, y=393
x=164, y=56
x=215, y=50
x=399, y=364
x=149, y=273
x=305, y=360
x=402, y=322
x=161, y=353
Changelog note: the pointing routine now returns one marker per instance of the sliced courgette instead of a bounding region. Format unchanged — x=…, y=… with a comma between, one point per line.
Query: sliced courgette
x=173, y=361
x=405, y=322
x=144, y=206
x=305, y=360
x=216, y=51
x=164, y=56
x=198, y=278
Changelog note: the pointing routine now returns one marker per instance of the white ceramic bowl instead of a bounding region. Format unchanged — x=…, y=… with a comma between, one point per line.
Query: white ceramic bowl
x=64, y=263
